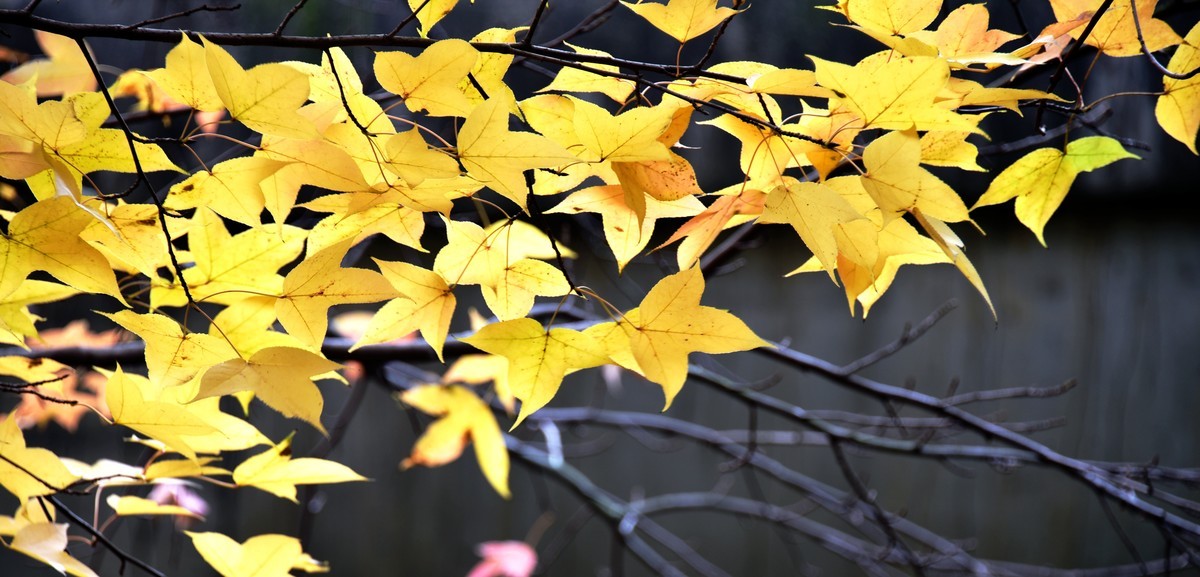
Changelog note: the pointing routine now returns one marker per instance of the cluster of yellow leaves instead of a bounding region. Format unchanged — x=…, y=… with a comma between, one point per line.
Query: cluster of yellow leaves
x=839, y=153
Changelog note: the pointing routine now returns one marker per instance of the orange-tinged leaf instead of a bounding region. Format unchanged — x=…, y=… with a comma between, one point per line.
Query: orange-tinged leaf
x=538, y=359
x=45, y=236
x=429, y=81
x=281, y=377
x=1115, y=33
x=259, y=556
x=1040, y=180
x=265, y=98
x=64, y=70
x=1178, y=109
x=276, y=472
x=186, y=78
x=427, y=305
x=134, y=404
x=47, y=542
x=897, y=182
x=670, y=324
x=320, y=282
x=682, y=20
x=173, y=357
x=462, y=416
x=737, y=204
x=497, y=157
x=29, y=472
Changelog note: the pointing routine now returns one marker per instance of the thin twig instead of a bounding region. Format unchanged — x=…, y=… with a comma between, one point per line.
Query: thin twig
x=1137, y=23
x=907, y=336
x=288, y=17
x=533, y=25
x=184, y=13
x=125, y=558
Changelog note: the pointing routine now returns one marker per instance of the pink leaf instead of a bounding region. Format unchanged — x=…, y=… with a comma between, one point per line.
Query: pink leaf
x=505, y=559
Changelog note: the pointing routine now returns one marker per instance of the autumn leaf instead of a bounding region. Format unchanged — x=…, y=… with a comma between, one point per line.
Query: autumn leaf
x=1115, y=33
x=279, y=376
x=173, y=356
x=571, y=79
x=134, y=404
x=538, y=359
x=259, y=556
x=17, y=322
x=264, y=98
x=813, y=210
x=505, y=559
x=45, y=236
x=1178, y=109
x=735, y=205
x=894, y=93
x=897, y=182
x=497, y=157
x=430, y=12
x=29, y=472
x=891, y=16
x=963, y=38
x=658, y=336
x=427, y=305
x=47, y=542
x=462, y=416
x=320, y=282
x=357, y=215
x=429, y=81
x=231, y=189
x=682, y=20
x=132, y=237
x=186, y=78
x=63, y=71
x=1040, y=180
x=276, y=472
x=132, y=505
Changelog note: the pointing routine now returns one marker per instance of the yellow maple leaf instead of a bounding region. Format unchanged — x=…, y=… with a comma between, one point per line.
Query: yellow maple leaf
x=276, y=472
x=320, y=282
x=231, y=189
x=1116, y=33
x=1178, y=109
x=357, y=215
x=949, y=149
x=683, y=20
x=186, y=78
x=29, y=472
x=624, y=235
x=281, y=377
x=656, y=338
x=891, y=16
x=427, y=305
x=897, y=182
x=64, y=70
x=631, y=136
x=813, y=210
x=538, y=359
x=410, y=158
x=497, y=157
x=430, y=12
x=132, y=237
x=264, y=98
x=571, y=79
x=16, y=320
x=894, y=93
x=135, y=403
x=963, y=38
x=45, y=236
x=429, y=81
x=462, y=416
x=173, y=357
x=232, y=268
x=260, y=556
x=47, y=542
x=132, y=505
x=1040, y=180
